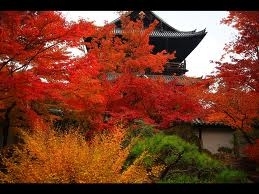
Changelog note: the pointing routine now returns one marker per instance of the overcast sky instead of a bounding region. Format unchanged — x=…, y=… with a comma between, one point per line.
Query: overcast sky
x=210, y=48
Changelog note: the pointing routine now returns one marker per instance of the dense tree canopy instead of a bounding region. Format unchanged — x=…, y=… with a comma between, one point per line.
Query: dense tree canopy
x=37, y=68
x=129, y=95
x=34, y=59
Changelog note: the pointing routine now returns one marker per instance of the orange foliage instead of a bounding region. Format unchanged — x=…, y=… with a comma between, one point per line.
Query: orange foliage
x=91, y=93
x=154, y=101
x=129, y=52
x=252, y=151
x=128, y=97
x=49, y=157
x=234, y=108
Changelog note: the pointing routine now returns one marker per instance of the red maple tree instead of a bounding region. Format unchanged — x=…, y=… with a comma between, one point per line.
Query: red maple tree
x=235, y=98
x=129, y=95
x=154, y=101
x=34, y=59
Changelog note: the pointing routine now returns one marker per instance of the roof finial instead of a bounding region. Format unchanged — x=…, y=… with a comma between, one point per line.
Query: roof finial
x=141, y=14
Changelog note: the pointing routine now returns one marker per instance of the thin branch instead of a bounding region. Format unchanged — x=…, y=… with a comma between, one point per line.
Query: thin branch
x=166, y=170
x=3, y=98
x=5, y=63
x=257, y=53
x=248, y=138
x=229, y=115
x=33, y=57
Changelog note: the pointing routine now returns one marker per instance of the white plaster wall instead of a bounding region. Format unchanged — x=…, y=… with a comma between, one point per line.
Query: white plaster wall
x=213, y=139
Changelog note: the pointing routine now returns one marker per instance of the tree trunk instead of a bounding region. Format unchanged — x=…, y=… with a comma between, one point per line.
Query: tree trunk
x=236, y=144
x=200, y=139
x=6, y=124
x=248, y=138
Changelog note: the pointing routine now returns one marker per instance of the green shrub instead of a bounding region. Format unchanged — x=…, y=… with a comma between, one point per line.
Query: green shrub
x=182, y=178
x=231, y=176
x=138, y=129
x=176, y=155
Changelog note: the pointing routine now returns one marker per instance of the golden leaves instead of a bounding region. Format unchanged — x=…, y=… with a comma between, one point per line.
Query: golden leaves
x=49, y=157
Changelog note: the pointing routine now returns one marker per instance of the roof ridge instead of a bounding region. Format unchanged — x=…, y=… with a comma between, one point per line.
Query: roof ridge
x=164, y=22
x=191, y=31
x=169, y=26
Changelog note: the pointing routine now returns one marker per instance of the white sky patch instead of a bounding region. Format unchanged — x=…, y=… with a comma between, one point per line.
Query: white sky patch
x=76, y=52
x=98, y=17
x=210, y=48
x=44, y=80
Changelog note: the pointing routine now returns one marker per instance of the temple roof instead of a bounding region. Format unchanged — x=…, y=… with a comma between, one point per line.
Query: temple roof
x=169, y=34
x=164, y=28
x=180, y=80
x=166, y=37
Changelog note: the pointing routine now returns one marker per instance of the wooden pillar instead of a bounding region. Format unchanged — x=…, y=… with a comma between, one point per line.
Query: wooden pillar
x=184, y=64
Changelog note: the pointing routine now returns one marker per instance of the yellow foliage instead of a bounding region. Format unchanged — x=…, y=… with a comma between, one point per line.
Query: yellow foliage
x=50, y=157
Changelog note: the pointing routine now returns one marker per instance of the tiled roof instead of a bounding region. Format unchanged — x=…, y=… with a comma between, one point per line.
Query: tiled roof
x=172, y=29
x=168, y=34
x=166, y=78
x=174, y=34
x=198, y=122
x=181, y=80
